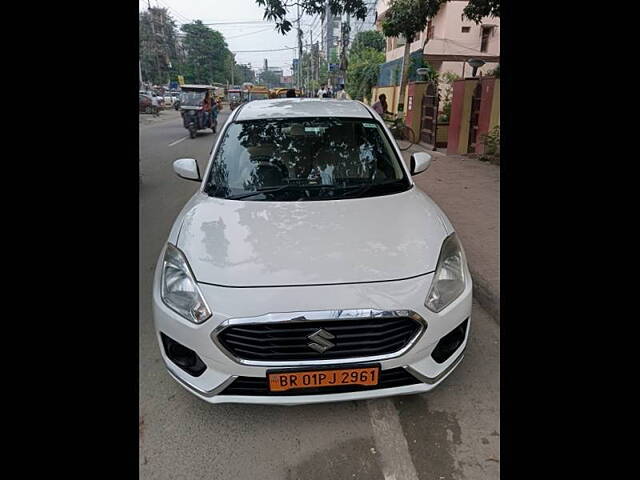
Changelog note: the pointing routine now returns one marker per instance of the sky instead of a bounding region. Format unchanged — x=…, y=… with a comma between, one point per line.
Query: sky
x=240, y=37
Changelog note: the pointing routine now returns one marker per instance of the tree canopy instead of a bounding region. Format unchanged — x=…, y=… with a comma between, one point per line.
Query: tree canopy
x=277, y=10
x=270, y=79
x=477, y=9
x=207, y=57
x=409, y=17
x=368, y=39
x=362, y=74
x=158, y=55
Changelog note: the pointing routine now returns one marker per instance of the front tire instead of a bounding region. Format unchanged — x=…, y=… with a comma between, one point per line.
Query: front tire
x=192, y=132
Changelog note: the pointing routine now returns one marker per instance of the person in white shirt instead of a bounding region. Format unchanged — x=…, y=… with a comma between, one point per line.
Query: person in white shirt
x=321, y=92
x=342, y=94
x=155, y=103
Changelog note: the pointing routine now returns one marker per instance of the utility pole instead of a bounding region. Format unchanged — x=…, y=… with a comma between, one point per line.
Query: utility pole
x=155, y=49
x=346, y=30
x=310, y=58
x=299, y=51
x=329, y=43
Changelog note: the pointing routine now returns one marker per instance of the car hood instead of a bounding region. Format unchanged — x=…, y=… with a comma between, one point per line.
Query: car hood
x=257, y=243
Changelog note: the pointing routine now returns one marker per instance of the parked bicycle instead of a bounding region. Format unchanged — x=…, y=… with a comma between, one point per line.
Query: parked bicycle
x=400, y=130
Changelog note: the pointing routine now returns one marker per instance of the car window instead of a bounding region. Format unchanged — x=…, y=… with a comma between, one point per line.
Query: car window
x=305, y=159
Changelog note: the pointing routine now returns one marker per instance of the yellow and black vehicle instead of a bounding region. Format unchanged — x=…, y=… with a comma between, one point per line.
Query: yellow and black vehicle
x=282, y=92
x=258, y=92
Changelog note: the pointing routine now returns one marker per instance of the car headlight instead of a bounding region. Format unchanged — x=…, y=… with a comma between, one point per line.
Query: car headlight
x=180, y=291
x=449, y=279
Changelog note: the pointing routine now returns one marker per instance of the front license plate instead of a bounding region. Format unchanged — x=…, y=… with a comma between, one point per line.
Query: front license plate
x=282, y=381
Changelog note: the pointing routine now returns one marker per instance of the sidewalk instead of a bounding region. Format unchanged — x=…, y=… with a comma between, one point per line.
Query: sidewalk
x=468, y=191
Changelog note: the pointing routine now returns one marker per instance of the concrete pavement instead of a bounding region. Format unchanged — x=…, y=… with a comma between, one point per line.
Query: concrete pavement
x=451, y=433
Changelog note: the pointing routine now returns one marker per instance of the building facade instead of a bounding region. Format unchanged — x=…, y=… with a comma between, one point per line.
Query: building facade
x=449, y=40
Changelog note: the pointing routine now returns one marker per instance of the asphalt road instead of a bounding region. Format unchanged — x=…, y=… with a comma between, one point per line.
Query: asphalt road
x=452, y=433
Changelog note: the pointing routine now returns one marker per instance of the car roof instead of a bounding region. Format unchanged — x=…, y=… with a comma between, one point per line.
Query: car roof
x=302, y=107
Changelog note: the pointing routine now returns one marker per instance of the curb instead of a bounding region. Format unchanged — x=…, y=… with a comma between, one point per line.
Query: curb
x=485, y=295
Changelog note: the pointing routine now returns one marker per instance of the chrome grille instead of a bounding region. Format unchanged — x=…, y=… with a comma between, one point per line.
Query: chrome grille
x=289, y=341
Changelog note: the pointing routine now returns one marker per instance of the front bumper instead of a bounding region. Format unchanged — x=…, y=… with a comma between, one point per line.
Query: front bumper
x=233, y=303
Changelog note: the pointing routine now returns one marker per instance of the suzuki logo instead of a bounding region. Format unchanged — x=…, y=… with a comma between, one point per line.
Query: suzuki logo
x=320, y=341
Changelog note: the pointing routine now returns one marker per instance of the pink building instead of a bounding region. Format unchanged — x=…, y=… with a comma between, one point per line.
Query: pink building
x=452, y=40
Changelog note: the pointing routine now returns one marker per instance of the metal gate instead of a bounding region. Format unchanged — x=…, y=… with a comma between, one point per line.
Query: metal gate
x=474, y=118
x=429, y=121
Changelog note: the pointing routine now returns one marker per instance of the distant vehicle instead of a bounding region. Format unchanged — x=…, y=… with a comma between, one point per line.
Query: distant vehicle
x=258, y=92
x=169, y=99
x=153, y=93
x=194, y=117
x=282, y=92
x=146, y=105
x=236, y=97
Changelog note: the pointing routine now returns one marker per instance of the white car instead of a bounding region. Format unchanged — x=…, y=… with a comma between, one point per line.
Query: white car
x=308, y=267
x=169, y=98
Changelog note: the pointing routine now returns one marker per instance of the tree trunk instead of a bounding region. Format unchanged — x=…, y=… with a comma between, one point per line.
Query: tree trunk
x=405, y=74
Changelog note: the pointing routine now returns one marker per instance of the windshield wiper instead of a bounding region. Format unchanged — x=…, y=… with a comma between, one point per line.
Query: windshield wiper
x=277, y=189
x=360, y=189
x=351, y=189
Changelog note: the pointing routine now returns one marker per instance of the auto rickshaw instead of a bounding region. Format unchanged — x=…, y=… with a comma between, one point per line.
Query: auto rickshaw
x=282, y=92
x=258, y=92
x=194, y=117
x=236, y=97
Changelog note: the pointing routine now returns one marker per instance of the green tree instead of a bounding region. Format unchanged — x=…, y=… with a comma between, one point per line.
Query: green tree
x=207, y=57
x=369, y=39
x=159, y=59
x=447, y=79
x=277, y=10
x=408, y=18
x=243, y=73
x=362, y=74
x=477, y=9
x=270, y=79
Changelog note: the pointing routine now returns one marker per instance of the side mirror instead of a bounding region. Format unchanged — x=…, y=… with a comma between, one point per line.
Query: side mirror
x=420, y=161
x=187, y=168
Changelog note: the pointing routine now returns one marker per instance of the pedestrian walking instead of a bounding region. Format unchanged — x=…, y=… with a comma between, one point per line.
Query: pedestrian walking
x=322, y=92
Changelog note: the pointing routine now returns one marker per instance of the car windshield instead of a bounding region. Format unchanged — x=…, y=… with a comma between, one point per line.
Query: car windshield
x=305, y=159
x=192, y=99
x=259, y=96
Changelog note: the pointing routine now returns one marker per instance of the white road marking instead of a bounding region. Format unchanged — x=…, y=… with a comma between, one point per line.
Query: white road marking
x=391, y=445
x=178, y=141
